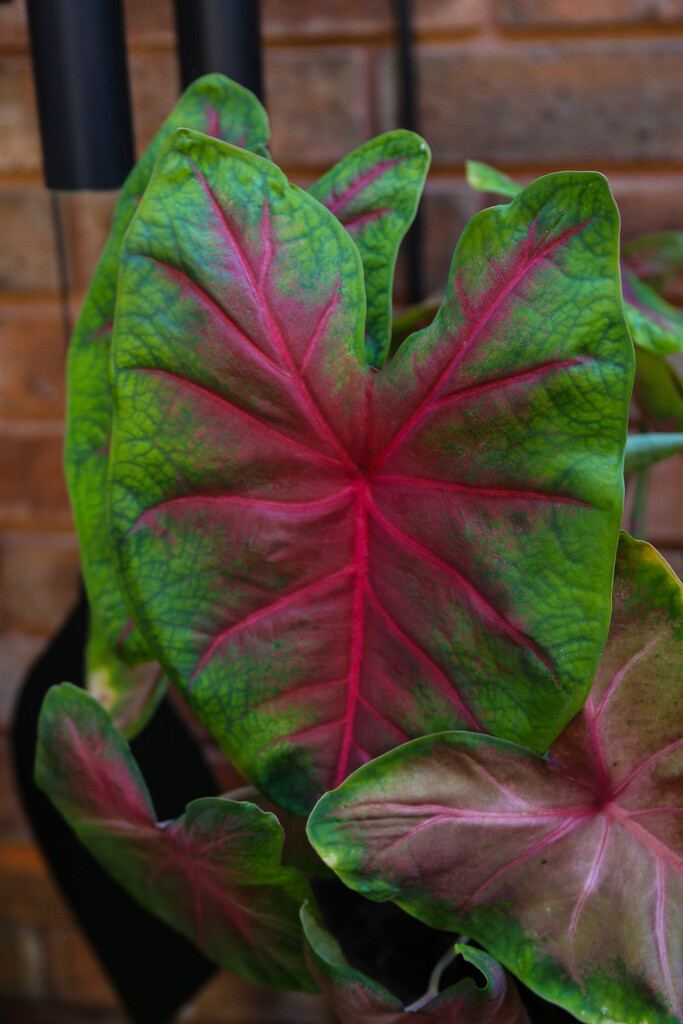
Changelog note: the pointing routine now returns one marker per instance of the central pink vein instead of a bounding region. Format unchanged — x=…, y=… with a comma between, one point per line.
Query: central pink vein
x=360, y=568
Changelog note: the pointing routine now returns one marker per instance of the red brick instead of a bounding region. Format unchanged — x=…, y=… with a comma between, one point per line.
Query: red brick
x=559, y=14
x=20, y=150
x=38, y=580
x=32, y=362
x=448, y=206
x=12, y=822
x=664, y=520
x=22, y=962
x=283, y=19
x=27, y=893
x=155, y=88
x=648, y=203
x=13, y=25
x=27, y=256
x=149, y=23
x=34, y=491
x=87, y=218
x=573, y=104
x=17, y=654
x=318, y=105
x=75, y=974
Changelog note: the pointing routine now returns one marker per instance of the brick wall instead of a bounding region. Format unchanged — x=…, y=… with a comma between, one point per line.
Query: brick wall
x=530, y=85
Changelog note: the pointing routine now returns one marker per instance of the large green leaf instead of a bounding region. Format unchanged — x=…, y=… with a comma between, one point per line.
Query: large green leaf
x=214, y=874
x=357, y=999
x=374, y=192
x=218, y=107
x=569, y=869
x=329, y=559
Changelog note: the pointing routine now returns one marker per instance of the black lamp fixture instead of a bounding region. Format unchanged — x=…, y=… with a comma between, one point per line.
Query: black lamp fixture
x=81, y=76
x=220, y=35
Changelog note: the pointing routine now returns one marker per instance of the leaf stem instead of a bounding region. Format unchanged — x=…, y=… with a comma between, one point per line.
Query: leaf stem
x=434, y=980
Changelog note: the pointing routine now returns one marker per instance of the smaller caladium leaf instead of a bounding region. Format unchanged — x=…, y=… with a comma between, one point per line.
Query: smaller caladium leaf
x=658, y=391
x=374, y=192
x=217, y=107
x=569, y=869
x=655, y=258
x=644, y=450
x=130, y=694
x=214, y=874
x=484, y=178
x=655, y=324
x=357, y=999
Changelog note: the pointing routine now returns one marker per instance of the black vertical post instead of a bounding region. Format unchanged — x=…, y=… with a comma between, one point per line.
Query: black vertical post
x=220, y=35
x=409, y=118
x=81, y=75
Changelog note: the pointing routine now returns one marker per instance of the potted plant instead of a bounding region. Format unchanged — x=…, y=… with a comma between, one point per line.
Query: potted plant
x=388, y=588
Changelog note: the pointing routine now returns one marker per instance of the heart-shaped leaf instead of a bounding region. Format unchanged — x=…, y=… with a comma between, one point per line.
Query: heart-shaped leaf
x=328, y=559
x=568, y=869
x=358, y=999
x=214, y=874
x=218, y=107
x=374, y=192
x=644, y=450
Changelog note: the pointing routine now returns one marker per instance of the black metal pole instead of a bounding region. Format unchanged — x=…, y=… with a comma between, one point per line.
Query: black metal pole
x=220, y=35
x=81, y=75
x=409, y=118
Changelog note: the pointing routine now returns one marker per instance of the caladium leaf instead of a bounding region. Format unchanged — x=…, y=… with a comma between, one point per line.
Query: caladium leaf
x=655, y=324
x=131, y=694
x=568, y=869
x=484, y=178
x=644, y=450
x=327, y=559
x=357, y=999
x=655, y=258
x=214, y=874
x=219, y=107
x=658, y=390
x=374, y=192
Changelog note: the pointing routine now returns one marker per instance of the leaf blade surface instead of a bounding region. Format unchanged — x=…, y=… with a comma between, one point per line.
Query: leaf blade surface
x=214, y=874
x=577, y=881
x=341, y=568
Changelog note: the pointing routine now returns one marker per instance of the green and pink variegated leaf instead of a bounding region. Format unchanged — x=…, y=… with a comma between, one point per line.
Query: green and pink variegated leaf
x=655, y=324
x=214, y=874
x=357, y=999
x=568, y=869
x=216, y=106
x=374, y=192
x=330, y=560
